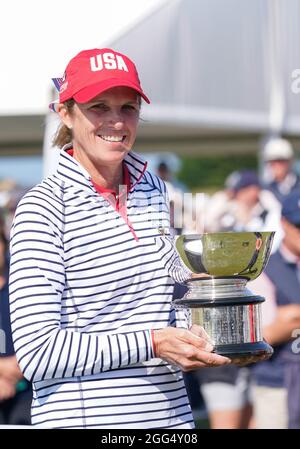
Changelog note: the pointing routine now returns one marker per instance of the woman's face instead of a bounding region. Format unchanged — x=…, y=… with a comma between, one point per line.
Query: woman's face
x=104, y=129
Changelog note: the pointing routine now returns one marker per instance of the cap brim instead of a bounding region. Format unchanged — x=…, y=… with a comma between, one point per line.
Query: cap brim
x=88, y=93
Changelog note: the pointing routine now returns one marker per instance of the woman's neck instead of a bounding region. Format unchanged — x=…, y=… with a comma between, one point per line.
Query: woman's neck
x=106, y=176
x=108, y=179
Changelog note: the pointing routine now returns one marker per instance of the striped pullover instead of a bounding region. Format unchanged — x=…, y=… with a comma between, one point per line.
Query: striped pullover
x=86, y=287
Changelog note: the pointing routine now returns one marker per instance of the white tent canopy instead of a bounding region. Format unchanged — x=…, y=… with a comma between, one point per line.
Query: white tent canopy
x=220, y=64
x=221, y=74
x=215, y=69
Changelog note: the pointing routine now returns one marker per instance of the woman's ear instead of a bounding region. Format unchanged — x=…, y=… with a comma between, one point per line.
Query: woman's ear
x=64, y=115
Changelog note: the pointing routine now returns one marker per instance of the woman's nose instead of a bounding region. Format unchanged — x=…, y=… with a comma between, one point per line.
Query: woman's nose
x=116, y=119
x=118, y=124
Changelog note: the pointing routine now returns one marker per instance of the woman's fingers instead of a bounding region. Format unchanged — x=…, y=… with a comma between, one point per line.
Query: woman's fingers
x=201, y=359
x=186, y=349
x=200, y=331
x=199, y=340
x=212, y=359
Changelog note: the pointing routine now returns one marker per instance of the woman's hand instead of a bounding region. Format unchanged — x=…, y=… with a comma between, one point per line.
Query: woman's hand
x=188, y=349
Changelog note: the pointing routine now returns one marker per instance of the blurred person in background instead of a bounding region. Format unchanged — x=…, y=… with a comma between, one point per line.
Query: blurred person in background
x=276, y=397
x=165, y=173
x=15, y=391
x=249, y=207
x=10, y=195
x=244, y=206
x=7, y=187
x=219, y=206
x=280, y=178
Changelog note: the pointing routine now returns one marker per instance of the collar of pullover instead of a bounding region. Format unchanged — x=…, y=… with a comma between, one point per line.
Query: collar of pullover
x=73, y=173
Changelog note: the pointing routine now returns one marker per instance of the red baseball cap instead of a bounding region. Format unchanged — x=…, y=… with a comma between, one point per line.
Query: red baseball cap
x=92, y=72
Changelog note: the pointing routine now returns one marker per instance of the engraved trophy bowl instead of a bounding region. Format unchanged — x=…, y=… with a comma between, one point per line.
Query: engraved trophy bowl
x=219, y=300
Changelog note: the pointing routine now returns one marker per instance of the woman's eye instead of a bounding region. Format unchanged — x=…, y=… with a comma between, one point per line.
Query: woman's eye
x=99, y=107
x=129, y=107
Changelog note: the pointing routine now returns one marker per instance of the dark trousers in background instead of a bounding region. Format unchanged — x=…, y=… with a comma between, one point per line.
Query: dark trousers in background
x=16, y=411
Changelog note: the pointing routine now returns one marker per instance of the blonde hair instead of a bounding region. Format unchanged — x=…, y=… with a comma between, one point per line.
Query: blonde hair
x=64, y=134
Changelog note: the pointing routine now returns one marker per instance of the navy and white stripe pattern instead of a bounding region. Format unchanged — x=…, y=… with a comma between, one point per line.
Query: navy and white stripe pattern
x=84, y=294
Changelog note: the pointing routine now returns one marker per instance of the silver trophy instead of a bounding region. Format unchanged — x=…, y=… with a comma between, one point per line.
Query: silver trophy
x=218, y=298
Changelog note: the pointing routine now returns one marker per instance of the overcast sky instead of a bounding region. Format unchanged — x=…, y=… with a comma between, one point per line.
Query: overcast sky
x=39, y=37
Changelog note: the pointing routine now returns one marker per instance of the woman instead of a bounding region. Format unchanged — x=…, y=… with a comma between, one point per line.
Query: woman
x=91, y=261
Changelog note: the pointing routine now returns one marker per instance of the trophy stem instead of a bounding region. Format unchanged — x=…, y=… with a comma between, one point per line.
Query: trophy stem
x=217, y=288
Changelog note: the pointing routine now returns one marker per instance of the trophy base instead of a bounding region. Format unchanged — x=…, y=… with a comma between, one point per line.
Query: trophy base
x=249, y=352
